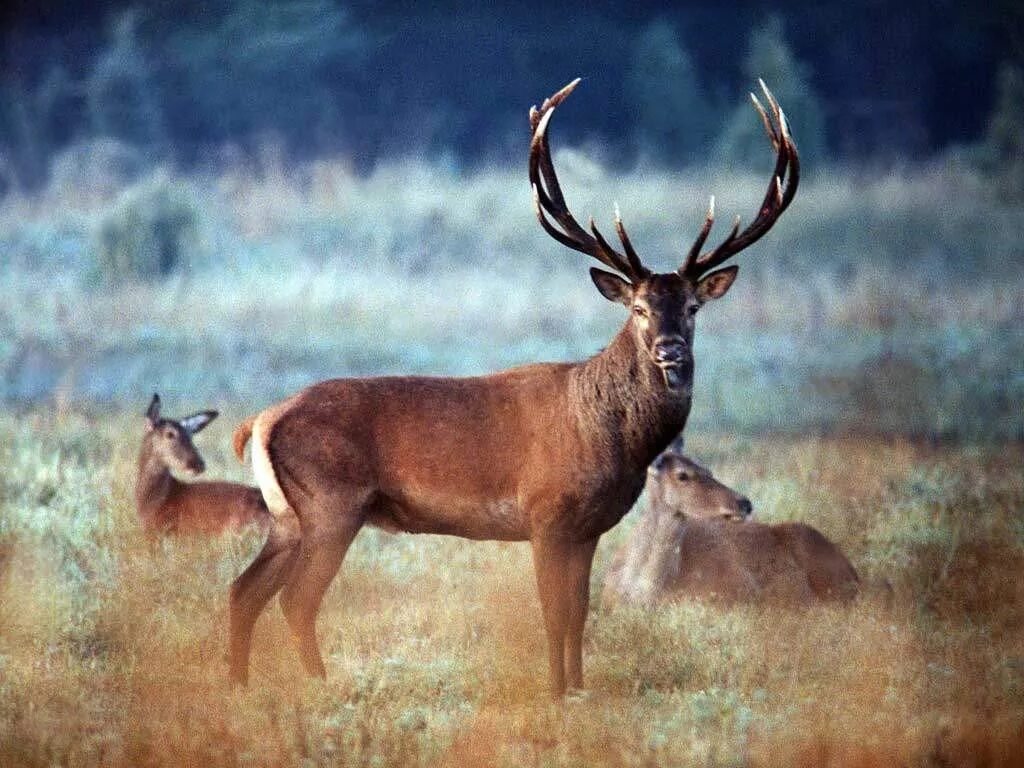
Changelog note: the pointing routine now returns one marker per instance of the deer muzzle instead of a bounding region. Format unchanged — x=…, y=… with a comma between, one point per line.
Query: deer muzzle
x=672, y=356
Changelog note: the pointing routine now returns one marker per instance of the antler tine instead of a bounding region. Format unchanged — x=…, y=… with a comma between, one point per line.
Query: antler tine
x=634, y=260
x=776, y=199
x=768, y=127
x=709, y=221
x=548, y=197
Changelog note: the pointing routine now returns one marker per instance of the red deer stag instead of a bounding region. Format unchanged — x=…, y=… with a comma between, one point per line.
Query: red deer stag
x=167, y=505
x=554, y=454
x=692, y=542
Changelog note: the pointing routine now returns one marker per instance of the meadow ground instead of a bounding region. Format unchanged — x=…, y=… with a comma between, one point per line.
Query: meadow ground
x=112, y=645
x=862, y=375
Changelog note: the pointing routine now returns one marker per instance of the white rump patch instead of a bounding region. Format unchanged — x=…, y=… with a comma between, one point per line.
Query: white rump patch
x=263, y=470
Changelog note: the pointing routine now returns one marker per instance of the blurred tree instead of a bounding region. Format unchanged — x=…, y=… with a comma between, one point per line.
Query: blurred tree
x=769, y=58
x=289, y=70
x=59, y=107
x=120, y=91
x=1004, y=139
x=671, y=112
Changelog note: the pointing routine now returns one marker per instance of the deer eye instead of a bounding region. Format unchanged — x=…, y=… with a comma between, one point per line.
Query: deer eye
x=692, y=310
x=169, y=433
x=639, y=310
x=681, y=475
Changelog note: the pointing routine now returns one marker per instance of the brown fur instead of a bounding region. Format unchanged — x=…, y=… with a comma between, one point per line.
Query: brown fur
x=554, y=454
x=241, y=436
x=168, y=506
x=689, y=543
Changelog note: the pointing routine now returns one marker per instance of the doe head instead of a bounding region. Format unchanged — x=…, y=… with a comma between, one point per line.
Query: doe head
x=170, y=440
x=689, y=491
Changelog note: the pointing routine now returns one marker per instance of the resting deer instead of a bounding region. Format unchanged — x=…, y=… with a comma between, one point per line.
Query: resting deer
x=553, y=453
x=167, y=505
x=692, y=541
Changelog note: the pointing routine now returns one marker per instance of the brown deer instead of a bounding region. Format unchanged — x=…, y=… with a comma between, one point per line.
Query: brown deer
x=167, y=505
x=554, y=453
x=692, y=541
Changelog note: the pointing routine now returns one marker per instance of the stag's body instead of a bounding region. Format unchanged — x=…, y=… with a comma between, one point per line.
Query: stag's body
x=480, y=458
x=167, y=505
x=688, y=544
x=554, y=454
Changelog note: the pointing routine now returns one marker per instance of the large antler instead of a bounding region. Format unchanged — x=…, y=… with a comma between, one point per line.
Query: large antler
x=776, y=199
x=547, y=197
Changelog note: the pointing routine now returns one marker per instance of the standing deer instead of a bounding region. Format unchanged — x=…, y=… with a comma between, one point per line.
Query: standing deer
x=692, y=542
x=167, y=505
x=553, y=453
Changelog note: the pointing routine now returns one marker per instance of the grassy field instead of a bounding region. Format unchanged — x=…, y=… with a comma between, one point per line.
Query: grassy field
x=112, y=645
x=863, y=375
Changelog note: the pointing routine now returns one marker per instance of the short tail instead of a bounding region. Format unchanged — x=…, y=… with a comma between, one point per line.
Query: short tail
x=242, y=434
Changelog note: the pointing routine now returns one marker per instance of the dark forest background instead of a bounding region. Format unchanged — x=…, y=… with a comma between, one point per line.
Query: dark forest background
x=189, y=82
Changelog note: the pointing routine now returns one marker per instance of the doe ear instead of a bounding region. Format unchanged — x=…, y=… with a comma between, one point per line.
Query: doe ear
x=611, y=286
x=197, y=421
x=715, y=285
x=153, y=412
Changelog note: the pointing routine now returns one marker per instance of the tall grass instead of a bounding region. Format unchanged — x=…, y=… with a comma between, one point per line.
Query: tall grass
x=111, y=645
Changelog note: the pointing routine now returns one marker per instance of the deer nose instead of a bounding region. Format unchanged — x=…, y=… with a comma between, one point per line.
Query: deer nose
x=669, y=350
x=746, y=508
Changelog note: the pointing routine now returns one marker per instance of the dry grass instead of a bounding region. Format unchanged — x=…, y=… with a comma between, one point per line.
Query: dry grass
x=111, y=646
x=886, y=306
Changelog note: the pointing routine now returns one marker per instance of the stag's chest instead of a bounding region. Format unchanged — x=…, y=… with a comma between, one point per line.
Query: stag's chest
x=600, y=507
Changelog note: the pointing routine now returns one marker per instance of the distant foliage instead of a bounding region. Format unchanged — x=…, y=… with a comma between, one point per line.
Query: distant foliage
x=149, y=232
x=96, y=169
x=286, y=69
x=671, y=112
x=119, y=91
x=35, y=123
x=1004, y=141
x=770, y=58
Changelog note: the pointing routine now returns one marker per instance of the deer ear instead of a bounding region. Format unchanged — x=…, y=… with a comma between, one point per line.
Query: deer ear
x=715, y=285
x=612, y=287
x=153, y=412
x=197, y=421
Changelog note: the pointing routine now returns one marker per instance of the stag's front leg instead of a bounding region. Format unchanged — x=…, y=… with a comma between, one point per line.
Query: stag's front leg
x=563, y=581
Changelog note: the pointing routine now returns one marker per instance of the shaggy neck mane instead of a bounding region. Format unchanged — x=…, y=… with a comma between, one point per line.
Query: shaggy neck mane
x=624, y=405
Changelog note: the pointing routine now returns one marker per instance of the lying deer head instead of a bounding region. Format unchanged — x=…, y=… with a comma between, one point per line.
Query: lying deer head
x=689, y=491
x=662, y=306
x=170, y=442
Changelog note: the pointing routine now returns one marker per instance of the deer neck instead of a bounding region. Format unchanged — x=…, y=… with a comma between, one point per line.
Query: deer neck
x=652, y=562
x=154, y=482
x=624, y=405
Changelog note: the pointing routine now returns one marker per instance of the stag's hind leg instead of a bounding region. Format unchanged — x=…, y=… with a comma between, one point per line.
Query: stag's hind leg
x=325, y=540
x=251, y=591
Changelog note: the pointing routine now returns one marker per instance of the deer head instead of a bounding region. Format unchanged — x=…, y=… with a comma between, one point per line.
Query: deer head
x=170, y=442
x=689, y=491
x=662, y=306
